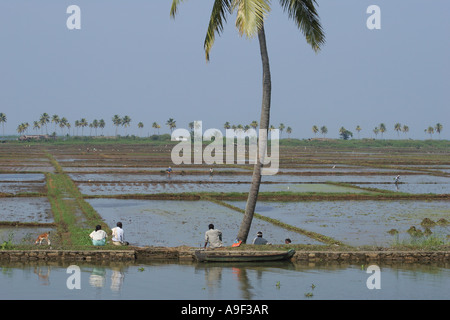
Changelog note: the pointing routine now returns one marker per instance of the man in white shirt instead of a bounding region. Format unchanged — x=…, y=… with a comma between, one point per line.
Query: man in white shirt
x=214, y=237
x=117, y=235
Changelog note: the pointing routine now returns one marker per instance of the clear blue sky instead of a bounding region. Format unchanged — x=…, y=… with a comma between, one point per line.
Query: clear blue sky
x=130, y=58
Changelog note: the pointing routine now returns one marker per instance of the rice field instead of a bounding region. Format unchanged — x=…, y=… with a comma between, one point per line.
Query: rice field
x=340, y=194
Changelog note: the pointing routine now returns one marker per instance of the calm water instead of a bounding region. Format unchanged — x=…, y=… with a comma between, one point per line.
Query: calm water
x=192, y=281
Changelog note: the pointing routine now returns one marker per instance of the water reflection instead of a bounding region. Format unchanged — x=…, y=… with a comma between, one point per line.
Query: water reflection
x=219, y=281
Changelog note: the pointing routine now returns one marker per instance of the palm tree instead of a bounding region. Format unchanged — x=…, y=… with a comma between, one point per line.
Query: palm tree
x=101, y=124
x=126, y=120
x=55, y=120
x=140, y=126
x=438, y=128
x=281, y=128
x=117, y=121
x=382, y=129
x=155, y=125
x=250, y=22
x=83, y=123
x=3, y=121
x=36, y=125
x=315, y=129
x=254, y=124
x=227, y=125
x=405, y=129
x=376, y=131
x=323, y=130
x=95, y=125
x=172, y=124
x=45, y=118
x=77, y=125
x=62, y=124
x=358, y=128
x=398, y=128
x=430, y=131
x=191, y=127
x=289, y=131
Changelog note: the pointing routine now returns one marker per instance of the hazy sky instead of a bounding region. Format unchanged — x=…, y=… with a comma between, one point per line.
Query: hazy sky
x=130, y=58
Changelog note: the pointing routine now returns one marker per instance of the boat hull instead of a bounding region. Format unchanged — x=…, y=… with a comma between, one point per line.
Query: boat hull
x=239, y=256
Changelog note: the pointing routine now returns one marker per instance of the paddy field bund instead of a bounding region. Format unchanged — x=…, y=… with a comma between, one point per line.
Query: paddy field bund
x=335, y=203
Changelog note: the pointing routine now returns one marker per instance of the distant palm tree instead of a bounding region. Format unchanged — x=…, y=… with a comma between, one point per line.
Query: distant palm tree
x=77, y=125
x=156, y=126
x=117, y=121
x=83, y=123
x=101, y=124
x=55, y=120
x=3, y=121
x=438, y=127
x=191, y=127
x=289, y=131
x=45, y=118
x=126, y=120
x=382, y=129
x=376, y=131
x=323, y=130
x=358, y=128
x=227, y=125
x=281, y=128
x=36, y=125
x=430, y=131
x=172, y=124
x=254, y=124
x=20, y=128
x=62, y=124
x=95, y=125
x=315, y=129
x=24, y=126
x=405, y=129
x=398, y=128
x=140, y=126
x=91, y=126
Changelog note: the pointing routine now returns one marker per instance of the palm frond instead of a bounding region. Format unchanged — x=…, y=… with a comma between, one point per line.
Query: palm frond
x=250, y=15
x=305, y=16
x=218, y=16
x=174, y=7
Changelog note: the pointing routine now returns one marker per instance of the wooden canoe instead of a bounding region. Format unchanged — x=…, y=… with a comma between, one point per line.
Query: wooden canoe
x=243, y=256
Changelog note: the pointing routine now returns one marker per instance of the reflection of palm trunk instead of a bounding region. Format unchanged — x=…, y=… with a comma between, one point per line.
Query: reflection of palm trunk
x=262, y=145
x=244, y=284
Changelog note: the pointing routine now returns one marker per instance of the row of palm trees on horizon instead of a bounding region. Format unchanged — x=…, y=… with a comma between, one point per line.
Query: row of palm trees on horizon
x=380, y=129
x=125, y=122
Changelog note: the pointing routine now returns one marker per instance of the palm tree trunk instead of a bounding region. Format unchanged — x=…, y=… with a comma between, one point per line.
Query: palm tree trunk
x=262, y=145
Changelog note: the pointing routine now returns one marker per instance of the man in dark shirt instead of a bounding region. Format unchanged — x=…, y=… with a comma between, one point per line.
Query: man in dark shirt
x=259, y=239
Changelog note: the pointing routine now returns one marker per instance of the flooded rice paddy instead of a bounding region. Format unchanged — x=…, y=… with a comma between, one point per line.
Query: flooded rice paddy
x=114, y=181
x=138, y=170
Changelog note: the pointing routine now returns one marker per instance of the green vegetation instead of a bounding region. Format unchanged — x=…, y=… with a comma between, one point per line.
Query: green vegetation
x=74, y=217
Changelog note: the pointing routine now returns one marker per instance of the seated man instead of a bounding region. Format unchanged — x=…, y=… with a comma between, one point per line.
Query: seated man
x=214, y=237
x=259, y=239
